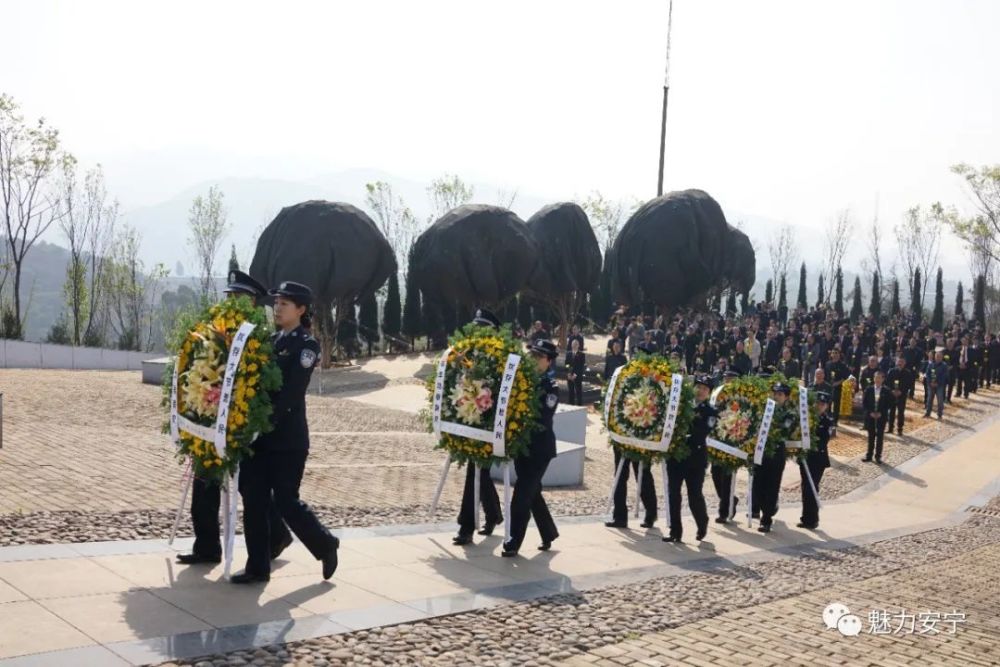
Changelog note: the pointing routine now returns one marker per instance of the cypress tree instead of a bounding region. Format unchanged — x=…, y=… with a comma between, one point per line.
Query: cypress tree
x=782, y=294
x=392, y=316
x=368, y=321
x=802, y=301
x=744, y=302
x=820, y=293
x=413, y=321
x=979, y=301
x=716, y=302
x=916, y=309
x=937, y=317
x=894, y=306
x=234, y=264
x=875, y=308
x=857, y=308
x=433, y=323
x=524, y=311
x=838, y=291
x=731, y=302
x=768, y=291
x=959, y=300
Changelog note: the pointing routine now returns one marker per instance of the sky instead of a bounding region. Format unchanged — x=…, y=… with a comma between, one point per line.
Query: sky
x=787, y=110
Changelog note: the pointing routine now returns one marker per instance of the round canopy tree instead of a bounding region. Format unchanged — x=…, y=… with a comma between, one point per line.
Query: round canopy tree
x=474, y=255
x=332, y=247
x=569, y=263
x=678, y=249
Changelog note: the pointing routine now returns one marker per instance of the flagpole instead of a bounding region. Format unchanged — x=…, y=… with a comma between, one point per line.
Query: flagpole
x=666, y=94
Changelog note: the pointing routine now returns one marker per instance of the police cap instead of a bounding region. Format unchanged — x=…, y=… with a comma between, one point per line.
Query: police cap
x=544, y=347
x=293, y=291
x=242, y=283
x=486, y=318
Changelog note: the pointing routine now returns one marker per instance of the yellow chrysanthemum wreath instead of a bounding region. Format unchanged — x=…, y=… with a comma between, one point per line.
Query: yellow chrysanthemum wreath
x=202, y=351
x=472, y=381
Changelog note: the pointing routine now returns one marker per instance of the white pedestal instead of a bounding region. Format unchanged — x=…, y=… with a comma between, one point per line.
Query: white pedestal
x=570, y=423
x=566, y=469
x=153, y=369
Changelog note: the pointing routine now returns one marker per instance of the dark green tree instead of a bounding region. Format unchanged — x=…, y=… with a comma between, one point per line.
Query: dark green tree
x=782, y=295
x=744, y=302
x=368, y=321
x=802, y=301
x=937, y=317
x=769, y=291
x=234, y=264
x=393, y=314
x=413, y=321
x=875, y=307
x=717, y=302
x=820, y=293
x=857, y=308
x=838, y=291
x=960, y=300
x=894, y=307
x=979, y=301
x=916, y=308
x=731, y=302
x=524, y=311
x=433, y=324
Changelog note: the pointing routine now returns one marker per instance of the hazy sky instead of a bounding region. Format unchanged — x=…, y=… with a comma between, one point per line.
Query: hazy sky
x=789, y=110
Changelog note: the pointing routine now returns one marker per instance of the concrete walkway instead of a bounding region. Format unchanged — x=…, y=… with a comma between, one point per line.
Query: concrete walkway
x=129, y=603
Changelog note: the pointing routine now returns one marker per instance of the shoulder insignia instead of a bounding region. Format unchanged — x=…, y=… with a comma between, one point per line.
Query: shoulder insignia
x=307, y=358
x=551, y=400
x=712, y=421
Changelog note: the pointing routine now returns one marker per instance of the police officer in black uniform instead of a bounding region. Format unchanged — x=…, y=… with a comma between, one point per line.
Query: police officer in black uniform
x=767, y=477
x=206, y=494
x=722, y=477
x=487, y=492
x=691, y=470
x=279, y=457
x=817, y=460
x=527, y=501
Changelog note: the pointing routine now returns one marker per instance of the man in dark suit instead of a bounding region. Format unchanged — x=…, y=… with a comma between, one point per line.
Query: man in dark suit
x=899, y=379
x=877, y=400
x=788, y=366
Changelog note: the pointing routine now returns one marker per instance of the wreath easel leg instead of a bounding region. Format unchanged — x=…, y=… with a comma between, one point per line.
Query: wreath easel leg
x=440, y=487
x=186, y=483
x=638, y=489
x=506, y=502
x=666, y=496
x=614, y=485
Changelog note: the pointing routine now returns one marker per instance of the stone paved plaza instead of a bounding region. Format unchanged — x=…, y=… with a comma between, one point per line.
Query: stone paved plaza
x=89, y=486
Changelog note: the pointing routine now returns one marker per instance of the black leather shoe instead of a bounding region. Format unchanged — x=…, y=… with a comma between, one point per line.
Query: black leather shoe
x=508, y=552
x=672, y=538
x=544, y=546
x=488, y=528
x=807, y=526
x=648, y=522
x=461, y=540
x=276, y=551
x=764, y=528
x=249, y=578
x=195, y=559
x=878, y=460
x=867, y=459
x=330, y=563
x=701, y=534
x=721, y=519
x=616, y=524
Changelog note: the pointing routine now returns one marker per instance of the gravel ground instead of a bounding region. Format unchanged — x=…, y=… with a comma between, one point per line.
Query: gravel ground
x=551, y=629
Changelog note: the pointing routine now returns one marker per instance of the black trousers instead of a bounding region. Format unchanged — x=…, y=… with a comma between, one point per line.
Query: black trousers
x=767, y=487
x=278, y=473
x=876, y=435
x=722, y=479
x=810, y=510
x=951, y=387
x=897, y=412
x=206, y=497
x=575, y=391
x=647, y=492
x=527, y=503
x=690, y=472
x=492, y=510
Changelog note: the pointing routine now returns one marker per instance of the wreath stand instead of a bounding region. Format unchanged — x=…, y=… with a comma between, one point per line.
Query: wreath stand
x=496, y=436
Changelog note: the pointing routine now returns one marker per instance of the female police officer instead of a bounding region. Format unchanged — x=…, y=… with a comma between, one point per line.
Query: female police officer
x=279, y=457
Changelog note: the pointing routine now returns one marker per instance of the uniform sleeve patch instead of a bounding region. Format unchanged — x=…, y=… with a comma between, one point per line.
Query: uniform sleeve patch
x=712, y=421
x=307, y=358
x=551, y=400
